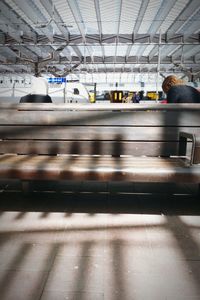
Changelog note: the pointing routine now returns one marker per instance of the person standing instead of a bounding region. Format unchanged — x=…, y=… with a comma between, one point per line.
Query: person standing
x=136, y=98
x=178, y=92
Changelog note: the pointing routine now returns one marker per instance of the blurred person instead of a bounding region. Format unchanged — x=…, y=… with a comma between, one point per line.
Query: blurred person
x=136, y=98
x=178, y=92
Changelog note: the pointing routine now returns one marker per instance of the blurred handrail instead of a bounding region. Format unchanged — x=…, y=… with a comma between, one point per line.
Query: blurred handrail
x=101, y=107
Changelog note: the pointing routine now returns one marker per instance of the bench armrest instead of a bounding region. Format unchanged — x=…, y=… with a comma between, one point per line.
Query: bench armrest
x=195, y=153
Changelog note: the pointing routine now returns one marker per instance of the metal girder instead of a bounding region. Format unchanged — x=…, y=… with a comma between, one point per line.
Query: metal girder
x=139, y=39
x=10, y=54
x=127, y=69
x=116, y=41
x=7, y=68
x=78, y=18
x=192, y=51
x=162, y=13
x=128, y=51
x=3, y=58
x=128, y=39
x=98, y=16
x=57, y=20
x=143, y=8
x=36, y=65
x=131, y=60
x=119, y=17
x=184, y=17
x=22, y=67
x=154, y=52
x=155, y=26
x=25, y=7
x=7, y=15
x=40, y=51
x=80, y=23
x=25, y=51
x=10, y=32
x=119, y=70
x=78, y=52
x=64, y=73
x=97, y=8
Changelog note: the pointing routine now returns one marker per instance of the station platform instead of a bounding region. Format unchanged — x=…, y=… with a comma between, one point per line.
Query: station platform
x=99, y=241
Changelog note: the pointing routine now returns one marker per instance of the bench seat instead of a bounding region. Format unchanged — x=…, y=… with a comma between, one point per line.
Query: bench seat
x=126, y=142
x=65, y=167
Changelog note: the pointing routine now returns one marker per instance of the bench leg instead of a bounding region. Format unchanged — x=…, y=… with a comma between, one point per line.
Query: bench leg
x=27, y=187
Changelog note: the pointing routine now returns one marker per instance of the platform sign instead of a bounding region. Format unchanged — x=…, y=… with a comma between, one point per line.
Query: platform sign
x=56, y=80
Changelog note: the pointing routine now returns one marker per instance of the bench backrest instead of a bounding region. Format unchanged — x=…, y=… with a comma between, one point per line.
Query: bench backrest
x=111, y=129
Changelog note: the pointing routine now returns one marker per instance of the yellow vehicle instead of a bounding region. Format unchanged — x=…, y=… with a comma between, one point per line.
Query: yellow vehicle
x=92, y=97
x=152, y=95
x=116, y=96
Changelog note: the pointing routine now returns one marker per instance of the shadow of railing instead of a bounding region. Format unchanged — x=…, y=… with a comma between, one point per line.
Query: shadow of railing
x=188, y=247
x=71, y=263
x=79, y=270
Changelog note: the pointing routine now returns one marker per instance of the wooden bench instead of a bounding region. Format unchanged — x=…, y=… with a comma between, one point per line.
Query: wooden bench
x=125, y=142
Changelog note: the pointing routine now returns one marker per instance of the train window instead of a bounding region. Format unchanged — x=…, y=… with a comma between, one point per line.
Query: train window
x=76, y=91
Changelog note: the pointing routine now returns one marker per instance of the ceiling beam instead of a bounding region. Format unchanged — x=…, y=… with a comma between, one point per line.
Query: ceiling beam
x=143, y=8
x=32, y=17
x=78, y=52
x=7, y=68
x=3, y=58
x=132, y=60
x=80, y=23
x=130, y=68
x=10, y=54
x=78, y=18
x=192, y=23
x=161, y=15
x=118, y=26
x=25, y=51
x=163, y=11
x=98, y=16
x=9, y=17
x=10, y=31
x=183, y=18
x=57, y=20
x=107, y=39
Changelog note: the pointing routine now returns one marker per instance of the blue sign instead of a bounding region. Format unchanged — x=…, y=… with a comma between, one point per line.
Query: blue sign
x=56, y=79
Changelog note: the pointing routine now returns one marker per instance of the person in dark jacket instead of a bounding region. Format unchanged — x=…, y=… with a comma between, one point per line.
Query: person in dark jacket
x=33, y=98
x=178, y=92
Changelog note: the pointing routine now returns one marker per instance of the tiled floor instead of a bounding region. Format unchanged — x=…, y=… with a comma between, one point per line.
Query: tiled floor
x=100, y=241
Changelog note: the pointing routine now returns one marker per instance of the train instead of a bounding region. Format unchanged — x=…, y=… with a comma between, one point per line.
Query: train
x=14, y=87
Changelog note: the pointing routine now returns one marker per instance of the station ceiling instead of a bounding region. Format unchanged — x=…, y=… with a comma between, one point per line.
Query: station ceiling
x=60, y=37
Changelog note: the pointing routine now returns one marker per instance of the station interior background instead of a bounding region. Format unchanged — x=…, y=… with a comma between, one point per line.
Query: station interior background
x=104, y=240
x=124, y=45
